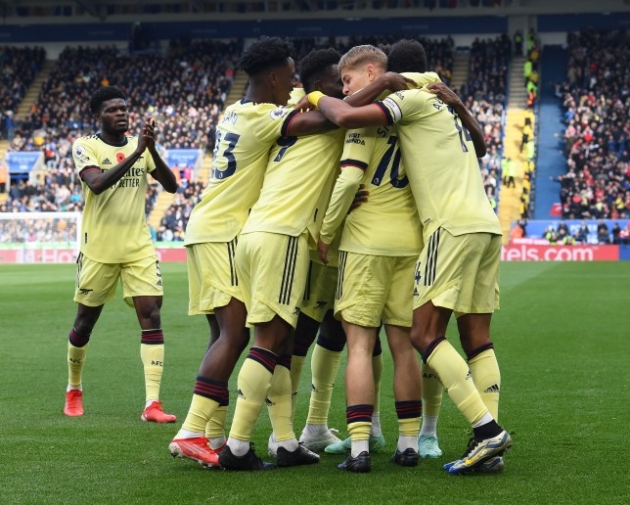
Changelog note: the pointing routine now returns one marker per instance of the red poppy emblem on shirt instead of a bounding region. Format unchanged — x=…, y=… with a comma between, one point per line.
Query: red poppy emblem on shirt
x=120, y=157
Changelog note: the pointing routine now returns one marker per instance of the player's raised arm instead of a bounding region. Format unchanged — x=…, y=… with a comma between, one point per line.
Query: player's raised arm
x=448, y=96
x=345, y=115
x=389, y=81
x=162, y=173
x=299, y=123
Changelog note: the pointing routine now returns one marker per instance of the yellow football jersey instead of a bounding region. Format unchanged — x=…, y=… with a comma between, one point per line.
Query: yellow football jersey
x=298, y=181
x=114, y=228
x=387, y=224
x=245, y=134
x=441, y=164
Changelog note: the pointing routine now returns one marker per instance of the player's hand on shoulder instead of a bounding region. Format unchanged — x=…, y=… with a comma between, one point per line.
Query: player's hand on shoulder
x=361, y=196
x=322, y=251
x=444, y=93
x=396, y=82
x=303, y=104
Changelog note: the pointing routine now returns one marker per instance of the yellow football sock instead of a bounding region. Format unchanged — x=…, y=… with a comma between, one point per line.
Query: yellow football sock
x=487, y=376
x=76, y=361
x=279, y=405
x=457, y=380
x=201, y=409
x=297, y=362
x=324, y=366
x=408, y=414
x=254, y=381
x=152, y=358
x=215, y=427
x=431, y=392
x=359, y=431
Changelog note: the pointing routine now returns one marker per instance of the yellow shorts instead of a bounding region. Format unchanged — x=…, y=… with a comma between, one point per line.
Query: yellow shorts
x=96, y=282
x=371, y=289
x=272, y=270
x=212, y=279
x=459, y=273
x=319, y=293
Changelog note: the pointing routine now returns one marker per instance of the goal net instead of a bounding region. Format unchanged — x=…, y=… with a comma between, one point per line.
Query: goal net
x=39, y=237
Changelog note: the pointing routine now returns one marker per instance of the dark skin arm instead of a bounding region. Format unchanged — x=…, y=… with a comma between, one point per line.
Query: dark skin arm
x=349, y=117
x=162, y=173
x=447, y=95
x=98, y=182
x=315, y=122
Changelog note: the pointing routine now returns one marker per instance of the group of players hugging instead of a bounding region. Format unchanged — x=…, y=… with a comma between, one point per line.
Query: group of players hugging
x=324, y=218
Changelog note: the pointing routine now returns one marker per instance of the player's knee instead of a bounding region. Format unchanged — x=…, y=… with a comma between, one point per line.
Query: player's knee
x=80, y=334
x=470, y=343
x=238, y=340
x=150, y=317
x=419, y=339
x=84, y=324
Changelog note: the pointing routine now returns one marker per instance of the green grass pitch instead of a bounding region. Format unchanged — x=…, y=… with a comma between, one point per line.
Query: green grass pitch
x=562, y=339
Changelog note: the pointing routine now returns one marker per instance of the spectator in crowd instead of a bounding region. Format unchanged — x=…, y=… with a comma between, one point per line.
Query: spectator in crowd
x=519, y=230
x=581, y=236
x=509, y=171
x=564, y=237
x=562, y=228
x=603, y=233
x=518, y=42
x=551, y=235
x=4, y=176
x=616, y=232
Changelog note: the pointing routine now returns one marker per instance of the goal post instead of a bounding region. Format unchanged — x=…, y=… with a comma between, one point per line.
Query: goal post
x=39, y=237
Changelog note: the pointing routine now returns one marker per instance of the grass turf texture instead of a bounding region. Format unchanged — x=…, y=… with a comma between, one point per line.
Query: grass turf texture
x=562, y=343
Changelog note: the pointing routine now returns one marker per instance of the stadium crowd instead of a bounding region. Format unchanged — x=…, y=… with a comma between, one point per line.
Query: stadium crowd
x=19, y=67
x=596, y=98
x=484, y=94
x=184, y=90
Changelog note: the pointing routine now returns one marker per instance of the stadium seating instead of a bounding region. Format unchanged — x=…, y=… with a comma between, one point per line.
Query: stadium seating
x=184, y=90
x=484, y=93
x=19, y=67
x=595, y=98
